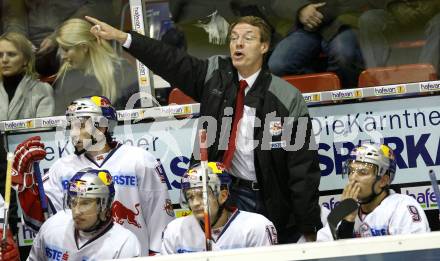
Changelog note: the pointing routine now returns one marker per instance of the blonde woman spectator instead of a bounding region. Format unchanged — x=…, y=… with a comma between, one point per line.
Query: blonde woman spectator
x=89, y=67
x=22, y=95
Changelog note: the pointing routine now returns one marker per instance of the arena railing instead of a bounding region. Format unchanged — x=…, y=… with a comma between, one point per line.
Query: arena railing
x=312, y=99
x=401, y=247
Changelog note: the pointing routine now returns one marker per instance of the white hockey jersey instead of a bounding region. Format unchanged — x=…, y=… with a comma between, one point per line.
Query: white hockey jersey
x=56, y=241
x=243, y=229
x=142, y=203
x=396, y=214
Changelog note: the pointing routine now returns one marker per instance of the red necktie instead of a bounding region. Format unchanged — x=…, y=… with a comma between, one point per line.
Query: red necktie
x=238, y=114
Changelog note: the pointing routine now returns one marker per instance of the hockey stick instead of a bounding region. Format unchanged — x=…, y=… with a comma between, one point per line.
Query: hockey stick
x=204, y=165
x=344, y=208
x=10, y=158
x=434, y=185
x=41, y=192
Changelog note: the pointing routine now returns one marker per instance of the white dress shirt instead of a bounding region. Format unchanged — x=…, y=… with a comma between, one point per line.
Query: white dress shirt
x=243, y=161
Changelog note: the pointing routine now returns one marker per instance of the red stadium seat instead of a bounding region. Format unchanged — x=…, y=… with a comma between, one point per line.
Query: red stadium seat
x=409, y=44
x=315, y=82
x=178, y=97
x=397, y=74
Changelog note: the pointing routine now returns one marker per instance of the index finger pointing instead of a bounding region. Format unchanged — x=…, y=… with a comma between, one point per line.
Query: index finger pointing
x=93, y=20
x=319, y=4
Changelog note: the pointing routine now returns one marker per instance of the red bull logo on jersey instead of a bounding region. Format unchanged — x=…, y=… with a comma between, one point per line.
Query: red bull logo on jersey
x=55, y=254
x=168, y=207
x=122, y=214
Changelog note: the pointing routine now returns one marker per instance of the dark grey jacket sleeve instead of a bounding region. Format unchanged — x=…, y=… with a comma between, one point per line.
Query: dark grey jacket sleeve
x=174, y=65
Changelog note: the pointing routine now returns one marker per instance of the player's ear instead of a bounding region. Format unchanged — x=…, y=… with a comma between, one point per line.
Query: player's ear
x=385, y=181
x=223, y=196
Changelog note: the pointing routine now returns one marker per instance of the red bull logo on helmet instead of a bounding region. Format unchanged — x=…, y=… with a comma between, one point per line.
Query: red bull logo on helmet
x=100, y=101
x=122, y=214
x=105, y=177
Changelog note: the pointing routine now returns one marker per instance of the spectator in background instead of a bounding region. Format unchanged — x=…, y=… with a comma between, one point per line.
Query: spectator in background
x=90, y=67
x=38, y=20
x=397, y=18
x=321, y=27
x=21, y=94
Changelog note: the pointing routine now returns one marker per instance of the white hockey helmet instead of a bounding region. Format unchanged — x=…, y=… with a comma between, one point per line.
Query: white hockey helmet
x=379, y=155
x=98, y=108
x=218, y=179
x=92, y=183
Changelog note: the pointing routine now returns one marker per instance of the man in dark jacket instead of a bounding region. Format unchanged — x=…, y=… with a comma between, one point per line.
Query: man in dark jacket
x=399, y=19
x=324, y=26
x=276, y=163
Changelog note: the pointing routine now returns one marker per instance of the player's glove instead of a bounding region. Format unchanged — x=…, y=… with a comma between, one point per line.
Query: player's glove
x=26, y=153
x=8, y=249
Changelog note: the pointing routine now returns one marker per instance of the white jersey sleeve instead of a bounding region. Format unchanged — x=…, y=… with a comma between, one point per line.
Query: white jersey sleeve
x=264, y=233
x=53, y=186
x=168, y=246
x=324, y=234
x=155, y=200
x=408, y=218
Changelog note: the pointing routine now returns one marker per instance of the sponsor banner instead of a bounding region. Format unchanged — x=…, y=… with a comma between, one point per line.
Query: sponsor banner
x=25, y=235
x=131, y=114
x=347, y=94
x=53, y=122
x=411, y=130
x=330, y=201
x=19, y=124
x=389, y=90
x=430, y=86
x=312, y=97
x=177, y=109
x=423, y=194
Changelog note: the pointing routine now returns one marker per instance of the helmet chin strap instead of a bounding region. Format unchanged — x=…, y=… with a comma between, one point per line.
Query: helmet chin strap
x=98, y=224
x=373, y=194
x=220, y=210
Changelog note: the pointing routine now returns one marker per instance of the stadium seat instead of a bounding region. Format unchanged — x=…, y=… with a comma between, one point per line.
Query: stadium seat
x=397, y=74
x=178, y=97
x=315, y=82
x=409, y=44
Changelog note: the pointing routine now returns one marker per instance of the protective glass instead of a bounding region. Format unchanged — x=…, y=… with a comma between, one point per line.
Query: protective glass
x=82, y=205
x=191, y=195
x=362, y=169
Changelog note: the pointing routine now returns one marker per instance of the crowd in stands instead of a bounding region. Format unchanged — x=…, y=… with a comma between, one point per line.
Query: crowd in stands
x=54, y=51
